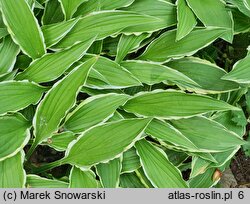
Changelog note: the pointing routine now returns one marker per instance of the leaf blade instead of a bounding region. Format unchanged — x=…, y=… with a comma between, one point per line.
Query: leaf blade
x=153, y=104
x=109, y=173
x=94, y=110
x=18, y=16
x=12, y=174
x=51, y=66
x=14, y=135
x=10, y=91
x=158, y=52
x=157, y=167
x=49, y=110
x=111, y=146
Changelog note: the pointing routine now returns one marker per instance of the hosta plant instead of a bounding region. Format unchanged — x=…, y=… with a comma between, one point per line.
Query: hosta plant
x=122, y=93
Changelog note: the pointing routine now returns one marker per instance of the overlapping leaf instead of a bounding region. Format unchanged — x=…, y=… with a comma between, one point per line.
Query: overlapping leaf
x=220, y=16
x=130, y=180
x=12, y=173
x=101, y=5
x=8, y=52
x=205, y=133
x=105, y=142
x=52, y=13
x=109, y=173
x=186, y=19
x=204, y=73
x=52, y=109
x=93, y=111
x=60, y=141
x=130, y=161
x=164, y=11
x=23, y=27
x=21, y=94
x=157, y=167
x=127, y=43
x=166, y=132
x=102, y=24
x=14, y=135
x=165, y=47
x=152, y=73
x=69, y=7
x=82, y=179
x=55, y=32
x=51, y=66
x=34, y=181
x=107, y=74
x=179, y=104
x=240, y=72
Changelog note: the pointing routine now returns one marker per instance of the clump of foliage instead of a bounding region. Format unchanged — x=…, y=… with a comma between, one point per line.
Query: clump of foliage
x=122, y=93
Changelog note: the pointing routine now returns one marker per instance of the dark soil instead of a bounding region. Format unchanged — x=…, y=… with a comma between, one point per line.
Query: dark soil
x=240, y=167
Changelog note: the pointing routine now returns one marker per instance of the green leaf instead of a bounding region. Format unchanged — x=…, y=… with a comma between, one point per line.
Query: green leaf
x=94, y=110
x=21, y=94
x=101, y=5
x=96, y=47
x=240, y=72
x=102, y=24
x=143, y=178
x=8, y=76
x=205, y=133
x=14, y=135
x=12, y=174
x=247, y=96
x=152, y=73
x=60, y=141
x=105, y=142
x=69, y=7
x=223, y=157
x=51, y=66
x=165, y=47
x=107, y=74
x=22, y=62
x=205, y=74
x=53, y=33
x=8, y=52
x=241, y=22
x=207, y=156
x=52, y=13
x=164, y=11
x=3, y=32
x=23, y=27
x=225, y=118
x=175, y=157
x=127, y=43
x=220, y=16
x=109, y=173
x=239, y=118
x=93, y=91
x=166, y=132
x=157, y=167
x=130, y=180
x=130, y=161
x=82, y=178
x=247, y=4
x=180, y=105
x=49, y=112
x=199, y=166
x=203, y=180
x=242, y=6
x=246, y=147
x=34, y=181
x=186, y=19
